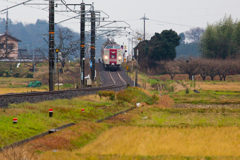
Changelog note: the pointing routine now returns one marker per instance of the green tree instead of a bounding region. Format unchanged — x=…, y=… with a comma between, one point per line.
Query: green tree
x=159, y=47
x=221, y=39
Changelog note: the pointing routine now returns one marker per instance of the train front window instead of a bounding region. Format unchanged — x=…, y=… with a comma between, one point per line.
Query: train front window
x=117, y=47
x=109, y=47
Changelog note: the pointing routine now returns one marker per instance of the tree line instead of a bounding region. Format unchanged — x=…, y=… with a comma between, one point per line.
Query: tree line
x=221, y=40
x=200, y=66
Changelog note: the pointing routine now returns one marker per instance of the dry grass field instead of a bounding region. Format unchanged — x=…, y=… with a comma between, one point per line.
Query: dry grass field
x=152, y=141
x=220, y=86
x=19, y=90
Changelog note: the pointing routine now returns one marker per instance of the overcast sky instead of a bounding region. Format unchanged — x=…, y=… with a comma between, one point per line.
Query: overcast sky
x=179, y=15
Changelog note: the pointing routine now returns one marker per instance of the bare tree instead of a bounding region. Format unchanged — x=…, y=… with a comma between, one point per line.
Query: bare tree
x=194, y=34
x=203, y=68
x=189, y=66
x=170, y=67
x=212, y=68
x=139, y=34
x=223, y=68
x=67, y=46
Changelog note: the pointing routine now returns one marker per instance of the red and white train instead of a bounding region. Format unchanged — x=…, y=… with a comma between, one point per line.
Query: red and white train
x=112, y=56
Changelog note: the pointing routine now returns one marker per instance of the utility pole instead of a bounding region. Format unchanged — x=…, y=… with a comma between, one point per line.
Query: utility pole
x=136, y=71
x=51, y=45
x=144, y=18
x=6, y=34
x=93, y=49
x=82, y=45
x=33, y=60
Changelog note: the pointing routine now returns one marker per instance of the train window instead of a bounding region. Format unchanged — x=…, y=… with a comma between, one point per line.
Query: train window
x=117, y=47
x=109, y=47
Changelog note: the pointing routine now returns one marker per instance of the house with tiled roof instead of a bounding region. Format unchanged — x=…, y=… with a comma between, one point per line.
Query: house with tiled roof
x=12, y=44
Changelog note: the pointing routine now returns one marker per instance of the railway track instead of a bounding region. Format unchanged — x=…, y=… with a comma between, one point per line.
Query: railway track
x=111, y=81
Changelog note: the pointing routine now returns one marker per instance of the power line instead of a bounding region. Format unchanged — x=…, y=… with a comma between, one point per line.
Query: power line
x=172, y=23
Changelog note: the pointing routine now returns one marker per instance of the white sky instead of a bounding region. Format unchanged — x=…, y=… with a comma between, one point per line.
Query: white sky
x=182, y=13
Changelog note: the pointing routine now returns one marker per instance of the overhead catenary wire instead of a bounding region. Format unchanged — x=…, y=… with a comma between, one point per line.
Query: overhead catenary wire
x=172, y=23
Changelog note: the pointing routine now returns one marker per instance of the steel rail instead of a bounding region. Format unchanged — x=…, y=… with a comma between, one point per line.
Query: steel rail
x=121, y=78
x=32, y=94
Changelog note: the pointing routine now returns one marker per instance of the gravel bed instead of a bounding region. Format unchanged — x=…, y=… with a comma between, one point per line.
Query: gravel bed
x=104, y=75
x=106, y=79
x=124, y=75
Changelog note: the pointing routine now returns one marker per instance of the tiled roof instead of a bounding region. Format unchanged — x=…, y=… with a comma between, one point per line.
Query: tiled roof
x=11, y=37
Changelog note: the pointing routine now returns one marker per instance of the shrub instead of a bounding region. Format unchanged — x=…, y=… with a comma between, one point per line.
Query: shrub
x=100, y=94
x=29, y=75
x=151, y=100
x=1, y=73
x=112, y=97
x=165, y=102
x=187, y=90
x=67, y=85
x=134, y=94
x=16, y=75
x=110, y=94
x=7, y=73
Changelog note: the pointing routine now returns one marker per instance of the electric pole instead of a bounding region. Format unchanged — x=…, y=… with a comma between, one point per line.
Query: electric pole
x=6, y=34
x=51, y=45
x=82, y=45
x=93, y=49
x=144, y=18
x=136, y=70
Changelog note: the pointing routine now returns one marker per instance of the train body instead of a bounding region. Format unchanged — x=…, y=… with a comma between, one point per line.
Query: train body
x=112, y=56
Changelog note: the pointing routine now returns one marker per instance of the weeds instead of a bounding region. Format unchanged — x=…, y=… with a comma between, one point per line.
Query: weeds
x=18, y=153
x=134, y=94
x=110, y=94
x=187, y=91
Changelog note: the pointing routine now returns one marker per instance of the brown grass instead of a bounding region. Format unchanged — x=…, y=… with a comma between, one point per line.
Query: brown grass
x=18, y=153
x=64, y=138
x=19, y=90
x=165, y=102
x=230, y=86
x=151, y=141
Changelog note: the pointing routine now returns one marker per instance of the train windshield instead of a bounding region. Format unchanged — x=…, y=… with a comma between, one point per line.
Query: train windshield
x=117, y=47
x=111, y=47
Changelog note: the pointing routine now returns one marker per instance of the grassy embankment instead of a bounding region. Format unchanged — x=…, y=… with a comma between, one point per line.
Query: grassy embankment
x=33, y=118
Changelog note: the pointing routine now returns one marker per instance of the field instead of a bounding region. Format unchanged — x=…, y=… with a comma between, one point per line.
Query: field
x=150, y=132
x=172, y=122
x=154, y=141
x=33, y=119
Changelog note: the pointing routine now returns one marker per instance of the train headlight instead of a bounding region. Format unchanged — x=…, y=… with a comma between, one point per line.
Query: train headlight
x=119, y=57
x=106, y=57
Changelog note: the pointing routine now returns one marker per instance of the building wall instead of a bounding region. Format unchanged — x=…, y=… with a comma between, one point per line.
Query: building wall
x=13, y=52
